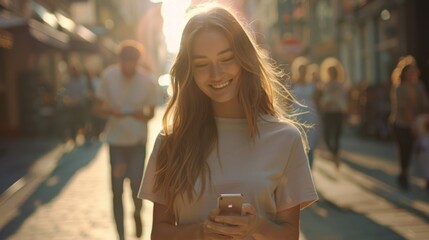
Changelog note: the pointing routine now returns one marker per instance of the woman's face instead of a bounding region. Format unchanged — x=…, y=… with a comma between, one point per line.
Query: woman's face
x=301, y=71
x=215, y=68
x=412, y=74
x=333, y=74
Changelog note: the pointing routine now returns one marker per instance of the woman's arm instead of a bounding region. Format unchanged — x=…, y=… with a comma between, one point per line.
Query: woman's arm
x=285, y=227
x=145, y=115
x=163, y=226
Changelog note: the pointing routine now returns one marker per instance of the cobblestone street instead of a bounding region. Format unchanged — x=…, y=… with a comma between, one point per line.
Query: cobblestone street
x=73, y=200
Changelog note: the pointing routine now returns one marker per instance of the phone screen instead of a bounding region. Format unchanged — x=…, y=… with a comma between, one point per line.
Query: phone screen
x=230, y=204
x=127, y=111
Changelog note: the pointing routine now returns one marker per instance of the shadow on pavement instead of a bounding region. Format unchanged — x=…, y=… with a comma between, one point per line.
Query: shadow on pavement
x=371, y=196
x=67, y=166
x=339, y=224
x=400, y=198
x=17, y=156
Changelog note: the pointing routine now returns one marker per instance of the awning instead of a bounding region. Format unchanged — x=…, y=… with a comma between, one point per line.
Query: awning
x=41, y=32
x=8, y=20
x=83, y=40
x=48, y=35
x=75, y=38
x=79, y=45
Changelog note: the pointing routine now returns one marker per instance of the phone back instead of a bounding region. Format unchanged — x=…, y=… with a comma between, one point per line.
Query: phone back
x=230, y=204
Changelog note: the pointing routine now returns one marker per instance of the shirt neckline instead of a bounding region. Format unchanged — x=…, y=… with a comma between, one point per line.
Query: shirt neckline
x=264, y=117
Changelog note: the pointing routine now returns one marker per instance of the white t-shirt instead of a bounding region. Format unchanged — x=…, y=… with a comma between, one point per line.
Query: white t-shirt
x=126, y=94
x=272, y=173
x=334, y=97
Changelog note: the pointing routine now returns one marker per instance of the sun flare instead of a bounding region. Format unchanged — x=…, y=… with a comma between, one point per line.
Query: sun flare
x=173, y=12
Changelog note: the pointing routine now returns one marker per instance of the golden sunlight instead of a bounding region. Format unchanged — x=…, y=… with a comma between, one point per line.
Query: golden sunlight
x=173, y=12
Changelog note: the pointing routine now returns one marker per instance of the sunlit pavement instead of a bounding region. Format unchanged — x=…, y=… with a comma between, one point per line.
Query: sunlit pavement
x=366, y=186
x=361, y=200
x=66, y=195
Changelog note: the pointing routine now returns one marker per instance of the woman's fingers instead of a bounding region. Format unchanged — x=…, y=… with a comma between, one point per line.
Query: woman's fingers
x=213, y=230
x=247, y=209
x=212, y=215
x=234, y=226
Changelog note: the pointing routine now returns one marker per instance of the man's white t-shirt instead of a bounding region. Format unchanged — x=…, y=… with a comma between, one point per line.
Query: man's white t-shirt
x=272, y=172
x=135, y=93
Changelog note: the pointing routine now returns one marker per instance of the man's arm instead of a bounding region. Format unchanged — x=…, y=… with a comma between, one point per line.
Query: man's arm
x=145, y=114
x=100, y=109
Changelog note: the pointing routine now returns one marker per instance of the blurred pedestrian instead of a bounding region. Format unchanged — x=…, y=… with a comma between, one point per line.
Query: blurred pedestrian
x=306, y=93
x=226, y=135
x=313, y=76
x=409, y=99
x=127, y=96
x=74, y=100
x=47, y=109
x=95, y=123
x=333, y=105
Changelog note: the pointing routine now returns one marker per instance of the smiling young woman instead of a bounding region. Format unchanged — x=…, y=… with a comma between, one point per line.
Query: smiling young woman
x=216, y=72
x=224, y=131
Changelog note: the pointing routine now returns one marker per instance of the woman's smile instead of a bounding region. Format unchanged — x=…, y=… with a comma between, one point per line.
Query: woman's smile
x=221, y=85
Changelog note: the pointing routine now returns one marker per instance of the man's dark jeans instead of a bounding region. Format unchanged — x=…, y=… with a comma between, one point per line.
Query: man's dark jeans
x=126, y=162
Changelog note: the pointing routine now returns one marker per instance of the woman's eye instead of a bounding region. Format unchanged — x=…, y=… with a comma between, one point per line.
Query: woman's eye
x=201, y=65
x=228, y=59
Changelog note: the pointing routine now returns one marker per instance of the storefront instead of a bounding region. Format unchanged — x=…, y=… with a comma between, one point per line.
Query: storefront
x=29, y=62
x=35, y=49
x=374, y=35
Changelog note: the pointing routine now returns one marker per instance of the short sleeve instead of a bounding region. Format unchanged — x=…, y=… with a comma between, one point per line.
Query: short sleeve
x=296, y=186
x=146, y=190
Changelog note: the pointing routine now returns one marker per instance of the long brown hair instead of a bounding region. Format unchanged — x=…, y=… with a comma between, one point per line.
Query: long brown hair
x=189, y=126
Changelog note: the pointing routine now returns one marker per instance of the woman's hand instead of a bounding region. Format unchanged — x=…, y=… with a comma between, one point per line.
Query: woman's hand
x=209, y=227
x=233, y=227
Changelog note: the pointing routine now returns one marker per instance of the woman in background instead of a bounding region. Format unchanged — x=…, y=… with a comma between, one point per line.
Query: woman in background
x=409, y=99
x=333, y=105
x=306, y=93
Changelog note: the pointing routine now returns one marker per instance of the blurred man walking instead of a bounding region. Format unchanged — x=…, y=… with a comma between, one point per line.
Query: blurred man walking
x=127, y=97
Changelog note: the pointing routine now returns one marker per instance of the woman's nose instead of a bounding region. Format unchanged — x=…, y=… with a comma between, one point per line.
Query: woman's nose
x=215, y=72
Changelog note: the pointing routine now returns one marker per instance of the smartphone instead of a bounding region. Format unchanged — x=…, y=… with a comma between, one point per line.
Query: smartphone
x=127, y=111
x=229, y=204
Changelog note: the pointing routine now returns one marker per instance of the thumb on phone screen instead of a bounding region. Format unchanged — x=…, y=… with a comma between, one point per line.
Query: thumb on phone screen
x=248, y=209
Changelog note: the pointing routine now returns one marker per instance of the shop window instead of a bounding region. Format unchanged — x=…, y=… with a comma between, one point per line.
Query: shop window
x=325, y=19
x=388, y=42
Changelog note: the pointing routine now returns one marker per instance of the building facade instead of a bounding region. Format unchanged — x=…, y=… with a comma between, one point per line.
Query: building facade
x=37, y=40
